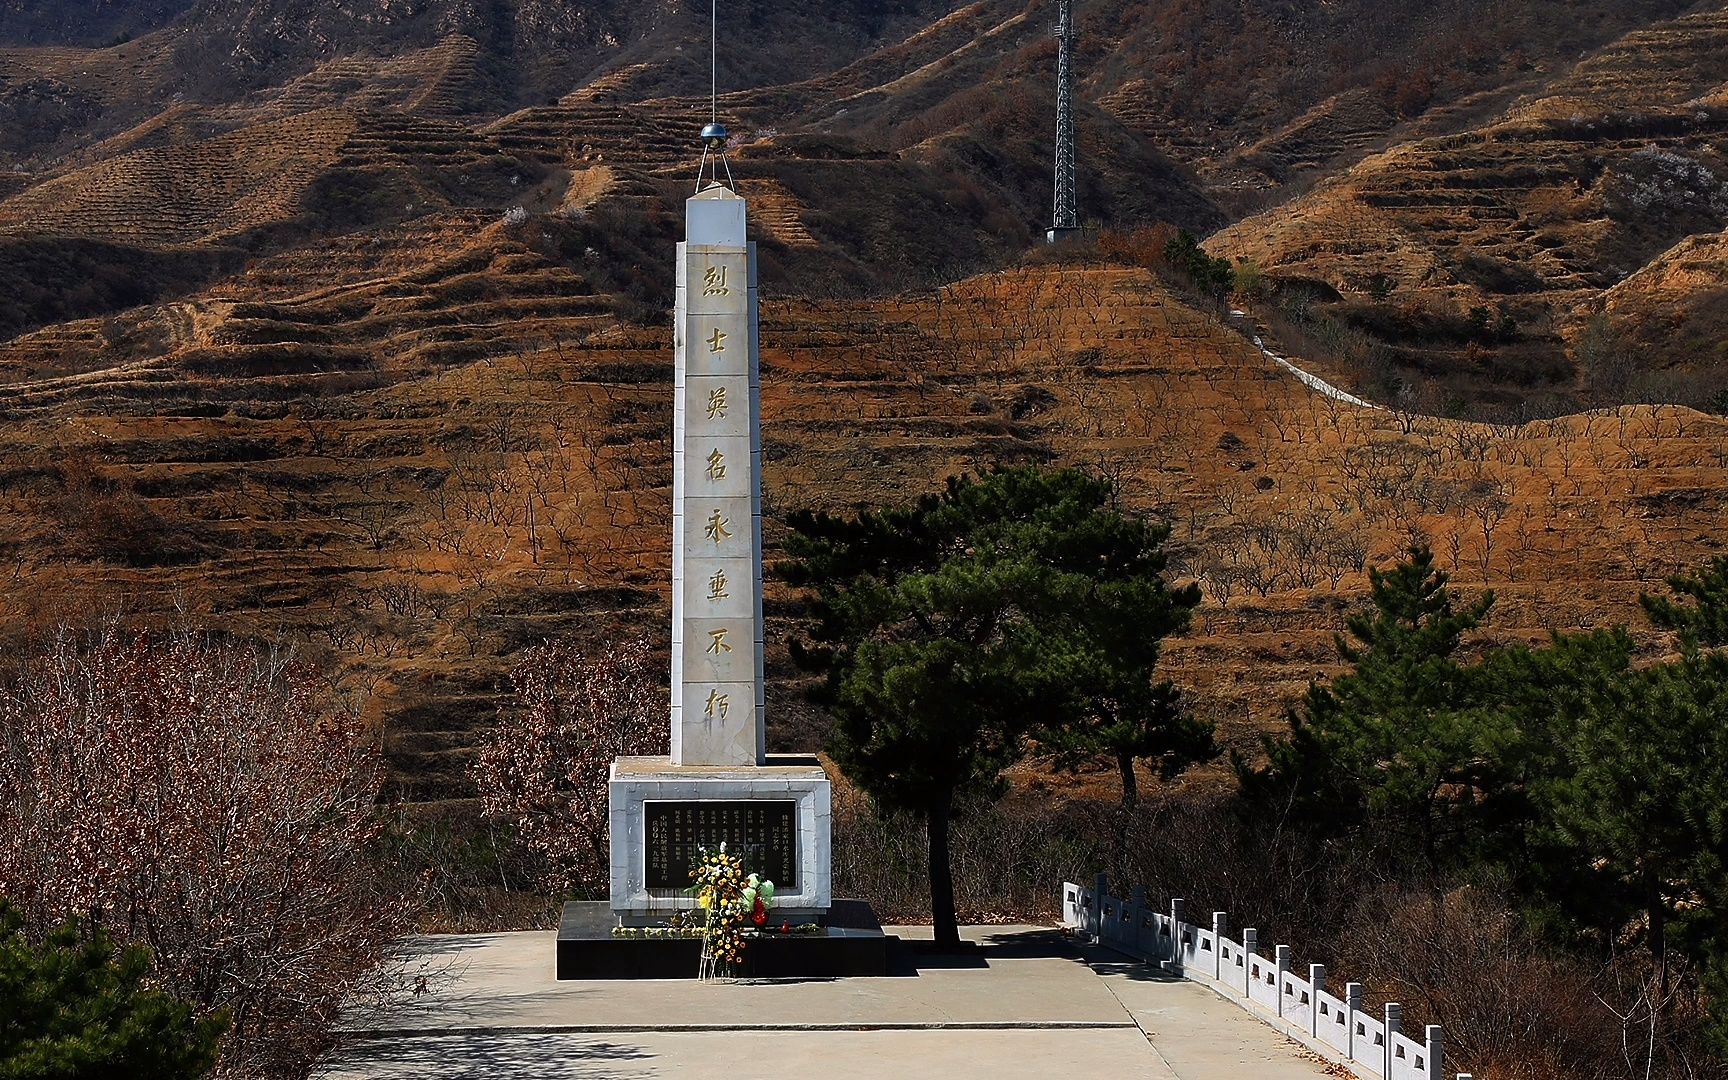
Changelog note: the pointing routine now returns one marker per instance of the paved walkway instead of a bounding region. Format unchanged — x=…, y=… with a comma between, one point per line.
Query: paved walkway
x=1028, y=1005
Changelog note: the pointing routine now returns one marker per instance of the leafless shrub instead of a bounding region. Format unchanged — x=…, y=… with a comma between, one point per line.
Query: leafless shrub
x=1220, y=580
x=543, y=769
x=1005, y=857
x=199, y=797
x=404, y=598
x=1488, y=503
x=1510, y=1005
x=1346, y=554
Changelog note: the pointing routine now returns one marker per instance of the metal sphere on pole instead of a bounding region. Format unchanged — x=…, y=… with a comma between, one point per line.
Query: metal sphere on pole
x=714, y=134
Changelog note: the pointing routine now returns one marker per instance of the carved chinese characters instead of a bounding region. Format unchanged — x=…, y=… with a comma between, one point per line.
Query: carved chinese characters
x=717, y=630
x=718, y=785
x=764, y=832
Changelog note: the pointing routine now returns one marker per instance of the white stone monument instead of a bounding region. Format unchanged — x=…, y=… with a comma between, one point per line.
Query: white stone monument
x=719, y=784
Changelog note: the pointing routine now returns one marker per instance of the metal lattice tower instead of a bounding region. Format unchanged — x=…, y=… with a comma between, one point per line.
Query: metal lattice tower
x=1067, y=216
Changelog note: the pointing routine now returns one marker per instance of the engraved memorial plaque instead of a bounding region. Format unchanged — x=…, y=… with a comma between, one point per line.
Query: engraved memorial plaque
x=765, y=831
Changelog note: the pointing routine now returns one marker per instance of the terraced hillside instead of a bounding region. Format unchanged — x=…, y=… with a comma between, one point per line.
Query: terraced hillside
x=60, y=95
x=84, y=22
x=415, y=477
x=363, y=350
x=1670, y=315
x=194, y=184
x=1250, y=96
x=1525, y=225
x=186, y=193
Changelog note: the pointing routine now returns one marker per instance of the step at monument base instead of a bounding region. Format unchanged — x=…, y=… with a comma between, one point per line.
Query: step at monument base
x=850, y=943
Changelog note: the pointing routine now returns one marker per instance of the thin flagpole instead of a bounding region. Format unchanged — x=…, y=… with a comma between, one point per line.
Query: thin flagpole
x=714, y=62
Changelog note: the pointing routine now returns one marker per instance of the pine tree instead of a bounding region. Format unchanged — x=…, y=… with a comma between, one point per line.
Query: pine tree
x=1400, y=737
x=1124, y=715
x=948, y=630
x=1532, y=694
x=1704, y=621
x=1642, y=807
x=1115, y=706
x=1635, y=811
x=1596, y=788
x=76, y=1008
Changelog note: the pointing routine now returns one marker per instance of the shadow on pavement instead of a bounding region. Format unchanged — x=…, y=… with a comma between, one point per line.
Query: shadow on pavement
x=914, y=956
x=444, y=945
x=1112, y=964
x=518, y=1057
x=1107, y=961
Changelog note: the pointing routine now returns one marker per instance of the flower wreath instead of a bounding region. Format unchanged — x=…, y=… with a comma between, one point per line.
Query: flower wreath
x=731, y=898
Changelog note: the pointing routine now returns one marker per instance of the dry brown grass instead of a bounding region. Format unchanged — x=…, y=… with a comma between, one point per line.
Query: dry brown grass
x=423, y=471
x=1536, y=217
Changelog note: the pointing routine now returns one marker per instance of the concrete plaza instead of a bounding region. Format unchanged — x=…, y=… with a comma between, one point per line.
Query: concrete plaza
x=1029, y=1003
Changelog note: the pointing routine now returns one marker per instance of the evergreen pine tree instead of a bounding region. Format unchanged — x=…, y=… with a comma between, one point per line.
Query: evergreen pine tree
x=1113, y=704
x=75, y=1008
x=1400, y=738
x=950, y=629
x=1642, y=806
x=1635, y=809
x=1702, y=622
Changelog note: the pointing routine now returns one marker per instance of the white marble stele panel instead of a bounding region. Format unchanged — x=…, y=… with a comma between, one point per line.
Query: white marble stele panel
x=635, y=781
x=717, y=639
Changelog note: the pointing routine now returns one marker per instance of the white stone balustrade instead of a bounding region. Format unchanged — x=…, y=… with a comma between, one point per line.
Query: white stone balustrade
x=1269, y=988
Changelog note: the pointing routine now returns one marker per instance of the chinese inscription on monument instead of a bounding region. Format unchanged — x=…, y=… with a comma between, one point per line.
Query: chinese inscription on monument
x=765, y=831
x=716, y=558
x=718, y=784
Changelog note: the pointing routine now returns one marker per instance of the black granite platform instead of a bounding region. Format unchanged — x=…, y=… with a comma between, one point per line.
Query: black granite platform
x=850, y=943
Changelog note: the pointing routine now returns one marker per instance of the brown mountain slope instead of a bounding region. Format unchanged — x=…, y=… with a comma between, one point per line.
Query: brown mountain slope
x=921, y=159
x=187, y=193
x=1670, y=316
x=83, y=22
x=1250, y=94
x=425, y=463
x=220, y=52
x=1508, y=237
x=274, y=173
x=361, y=347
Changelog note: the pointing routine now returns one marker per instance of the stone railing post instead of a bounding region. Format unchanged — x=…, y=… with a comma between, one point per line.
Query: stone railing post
x=1100, y=887
x=1250, y=946
x=1282, y=953
x=1352, y=1006
x=1178, y=912
x=1394, y=1026
x=1436, y=1052
x=1136, y=918
x=1220, y=926
x=1316, y=985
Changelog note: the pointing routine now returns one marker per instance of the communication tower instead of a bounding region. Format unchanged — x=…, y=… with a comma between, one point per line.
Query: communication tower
x=1066, y=221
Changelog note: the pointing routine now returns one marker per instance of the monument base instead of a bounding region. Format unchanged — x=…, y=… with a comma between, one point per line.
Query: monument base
x=775, y=814
x=850, y=943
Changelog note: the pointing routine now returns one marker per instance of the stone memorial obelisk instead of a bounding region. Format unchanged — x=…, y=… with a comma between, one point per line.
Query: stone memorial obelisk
x=718, y=784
